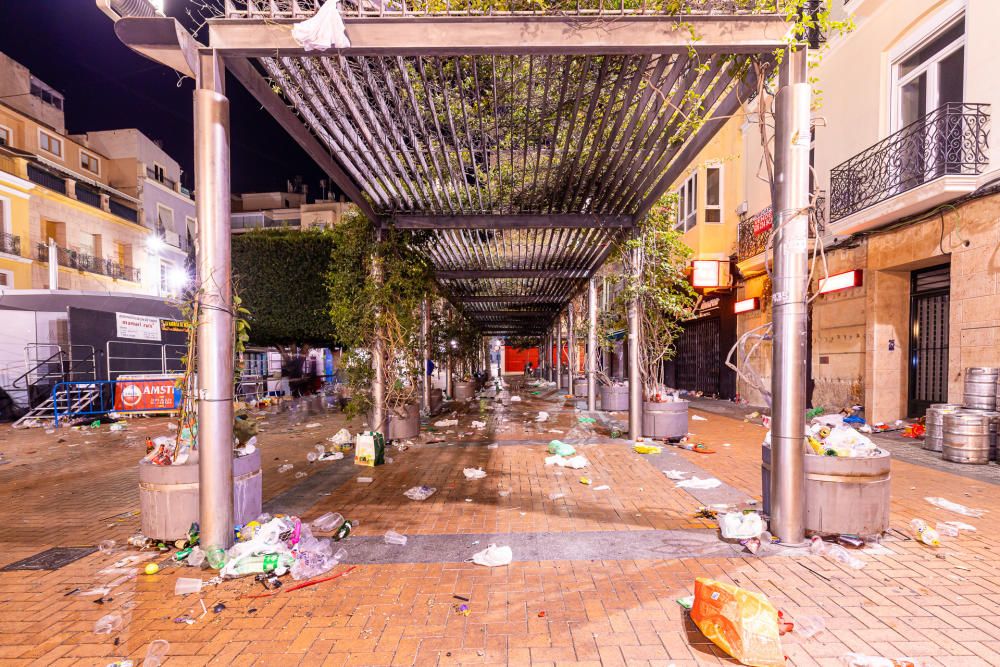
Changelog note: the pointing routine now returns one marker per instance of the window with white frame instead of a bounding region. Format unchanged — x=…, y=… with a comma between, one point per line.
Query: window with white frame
x=713, y=194
x=6, y=135
x=49, y=143
x=687, y=204
x=930, y=75
x=164, y=217
x=91, y=163
x=166, y=269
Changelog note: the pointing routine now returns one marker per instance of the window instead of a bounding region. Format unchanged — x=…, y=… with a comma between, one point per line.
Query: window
x=90, y=162
x=165, y=270
x=6, y=278
x=687, y=204
x=713, y=194
x=158, y=172
x=49, y=143
x=6, y=136
x=164, y=218
x=931, y=75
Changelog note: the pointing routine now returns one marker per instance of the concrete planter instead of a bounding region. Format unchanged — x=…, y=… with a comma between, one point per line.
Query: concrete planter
x=664, y=420
x=401, y=427
x=464, y=391
x=168, y=496
x=437, y=398
x=614, y=398
x=842, y=495
x=580, y=387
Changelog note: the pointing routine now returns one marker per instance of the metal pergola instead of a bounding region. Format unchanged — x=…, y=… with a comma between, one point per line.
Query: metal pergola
x=526, y=143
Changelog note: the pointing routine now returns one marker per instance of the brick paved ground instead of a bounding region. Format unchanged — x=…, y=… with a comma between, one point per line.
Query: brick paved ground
x=942, y=606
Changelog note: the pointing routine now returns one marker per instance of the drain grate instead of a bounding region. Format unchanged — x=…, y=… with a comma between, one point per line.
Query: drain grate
x=50, y=559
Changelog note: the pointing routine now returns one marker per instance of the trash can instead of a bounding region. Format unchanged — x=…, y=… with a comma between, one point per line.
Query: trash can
x=168, y=496
x=464, y=391
x=614, y=398
x=847, y=494
x=665, y=420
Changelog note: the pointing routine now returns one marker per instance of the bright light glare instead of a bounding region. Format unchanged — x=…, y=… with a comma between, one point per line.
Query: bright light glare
x=158, y=5
x=178, y=277
x=154, y=244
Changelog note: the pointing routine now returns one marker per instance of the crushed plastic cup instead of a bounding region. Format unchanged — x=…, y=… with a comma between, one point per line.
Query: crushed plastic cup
x=328, y=522
x=946, y=529
x=420, y=492
x=311, y=457
x=155, y=654
x=196, y=557
x=186, y=585
x=285, y=467
x=807, y=626
x=835, y=552
x=392, y=537
x=108, y=624
x=106, y=547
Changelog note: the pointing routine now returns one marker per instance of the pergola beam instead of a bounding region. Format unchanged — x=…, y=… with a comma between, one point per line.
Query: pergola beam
x=532, y=299
x=515, y=35
x=525, y=221
x=472, y=274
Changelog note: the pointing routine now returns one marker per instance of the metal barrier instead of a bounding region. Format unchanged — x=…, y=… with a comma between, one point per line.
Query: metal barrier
x=149, y=357
x=127, y=396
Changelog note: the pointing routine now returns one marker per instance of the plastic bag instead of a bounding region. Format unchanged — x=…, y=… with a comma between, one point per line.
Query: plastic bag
x=494, y=556
x=740, y=526
x=858, y=660
x=676, y=475
x=420, y=492
x=561, y=448
x=576, y=462
x=955, y=507
x=325, y=29
x=474, y=473
x=697, y=483
x=341, y=437
x=647, y=449
x=740, y=622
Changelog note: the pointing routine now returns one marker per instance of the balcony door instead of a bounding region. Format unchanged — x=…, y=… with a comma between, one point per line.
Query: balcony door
x=928, y=79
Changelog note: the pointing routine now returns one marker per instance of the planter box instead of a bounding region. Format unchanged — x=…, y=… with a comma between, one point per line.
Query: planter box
x=842, y=495
x=168, y=496
x=665, y=420
x=437, y=398
x=580, y=387
x=614, y=398
x=464, y=391
x=401, y=427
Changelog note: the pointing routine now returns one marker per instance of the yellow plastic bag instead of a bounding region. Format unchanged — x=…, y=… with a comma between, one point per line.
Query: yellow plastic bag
x=742, y=623
x=647, y=449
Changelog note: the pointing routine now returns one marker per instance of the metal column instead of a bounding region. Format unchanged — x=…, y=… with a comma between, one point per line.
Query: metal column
x=215, y=319
x=559, y=351
x=571, y=353
x=634, y=371
x=790, y=278
x=378, y=360
x=425, y=344
x=592, y=345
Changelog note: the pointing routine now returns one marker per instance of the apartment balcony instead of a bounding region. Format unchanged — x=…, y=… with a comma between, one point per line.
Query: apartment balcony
x=929, y=162
x=754, y=233
x=83, y=262
x=10, y=244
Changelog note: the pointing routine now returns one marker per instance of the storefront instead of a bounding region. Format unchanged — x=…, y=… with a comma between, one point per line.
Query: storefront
x=699, y=363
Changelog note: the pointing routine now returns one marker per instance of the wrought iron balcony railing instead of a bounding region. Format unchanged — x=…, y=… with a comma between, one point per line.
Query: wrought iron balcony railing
x=10, y=244
x=951, y=140
x=83, y=262
x=755, y=230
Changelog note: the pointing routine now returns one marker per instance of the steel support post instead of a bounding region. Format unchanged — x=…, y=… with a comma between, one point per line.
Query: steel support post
x=592, y=345
x=378, y=360
x=790, y=278
x=559, y=352
x=215, y=318
x=634, y=371
x=425, y=344
x=571, y=352
x=449, y=383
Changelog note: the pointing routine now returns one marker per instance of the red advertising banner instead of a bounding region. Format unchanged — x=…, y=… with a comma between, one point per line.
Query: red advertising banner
x=763, y=221
x=147, y=395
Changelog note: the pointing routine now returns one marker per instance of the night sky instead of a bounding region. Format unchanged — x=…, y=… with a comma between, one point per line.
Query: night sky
x=71, y=45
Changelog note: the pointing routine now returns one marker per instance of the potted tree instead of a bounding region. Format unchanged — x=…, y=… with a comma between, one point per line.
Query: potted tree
x=366, y=311
x=459, y=343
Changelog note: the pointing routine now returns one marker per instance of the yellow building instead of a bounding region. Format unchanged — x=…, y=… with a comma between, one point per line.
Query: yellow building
x=55, y=200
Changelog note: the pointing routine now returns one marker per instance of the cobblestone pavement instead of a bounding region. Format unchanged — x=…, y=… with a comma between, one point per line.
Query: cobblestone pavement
x=595, y=578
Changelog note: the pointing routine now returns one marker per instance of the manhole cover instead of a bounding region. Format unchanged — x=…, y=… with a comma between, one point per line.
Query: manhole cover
x=50, y=559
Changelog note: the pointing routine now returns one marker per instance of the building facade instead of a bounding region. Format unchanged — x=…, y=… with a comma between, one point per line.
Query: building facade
x=284, y=210
x=907, y=210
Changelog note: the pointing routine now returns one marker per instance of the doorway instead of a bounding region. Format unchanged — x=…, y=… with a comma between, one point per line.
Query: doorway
x=929, y=315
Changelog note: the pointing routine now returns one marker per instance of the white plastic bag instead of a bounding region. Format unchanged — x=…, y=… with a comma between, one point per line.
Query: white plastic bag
x=420, y=492
x=740, y=526
x=474, y=473
x=494, y=556
x=676, y=475
x=325, y=29
x=955, y=507
x=697, y=483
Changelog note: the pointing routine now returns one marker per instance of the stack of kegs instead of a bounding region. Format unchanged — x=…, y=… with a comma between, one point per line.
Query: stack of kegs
x=968, y=433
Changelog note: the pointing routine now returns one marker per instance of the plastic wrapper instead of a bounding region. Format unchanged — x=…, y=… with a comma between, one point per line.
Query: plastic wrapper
x=741, y=526
x=420, y=492
x=494, y=556
x=740, y=622
x=945, y=504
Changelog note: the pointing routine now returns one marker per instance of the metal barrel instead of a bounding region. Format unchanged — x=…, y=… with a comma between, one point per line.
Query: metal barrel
x=966, y=437
x=994, y=424
x=981, y=388
x=934, y=425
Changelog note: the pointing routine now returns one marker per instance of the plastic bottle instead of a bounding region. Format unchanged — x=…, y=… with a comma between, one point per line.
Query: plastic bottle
x=277, y=563
x=836, y=552
x=344, y=530
x=216, y=557
x=925, y=533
